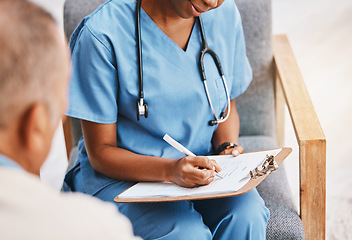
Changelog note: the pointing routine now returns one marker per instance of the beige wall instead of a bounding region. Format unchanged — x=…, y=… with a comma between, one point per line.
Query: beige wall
x=54, y=168
x=320, y=32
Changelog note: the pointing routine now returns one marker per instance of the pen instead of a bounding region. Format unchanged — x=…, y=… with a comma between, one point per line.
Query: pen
x=178, y=145
x=181, y=148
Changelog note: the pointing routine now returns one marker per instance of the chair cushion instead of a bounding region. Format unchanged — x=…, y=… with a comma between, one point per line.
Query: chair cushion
x=256, y=105
x=284, y=222
x=73, y=158
x=75, y=11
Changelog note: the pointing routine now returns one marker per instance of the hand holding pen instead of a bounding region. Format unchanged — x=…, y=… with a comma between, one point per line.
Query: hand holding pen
x=192, y=171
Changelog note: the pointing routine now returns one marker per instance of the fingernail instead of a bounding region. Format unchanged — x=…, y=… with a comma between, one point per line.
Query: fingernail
x=235, y=152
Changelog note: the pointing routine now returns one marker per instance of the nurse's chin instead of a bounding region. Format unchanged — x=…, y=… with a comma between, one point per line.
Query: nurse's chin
x=194, y=11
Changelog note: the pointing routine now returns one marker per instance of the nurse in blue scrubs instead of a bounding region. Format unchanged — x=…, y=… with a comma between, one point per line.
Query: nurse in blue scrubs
x=117, y=149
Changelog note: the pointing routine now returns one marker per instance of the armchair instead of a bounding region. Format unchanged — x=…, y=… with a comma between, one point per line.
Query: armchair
x=310, y=137
x=277, y=80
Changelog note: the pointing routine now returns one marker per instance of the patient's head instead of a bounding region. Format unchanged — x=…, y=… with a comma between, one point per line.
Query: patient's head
x=34, y=72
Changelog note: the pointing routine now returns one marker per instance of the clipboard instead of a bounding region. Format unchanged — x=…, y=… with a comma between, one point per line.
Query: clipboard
x=258, y=174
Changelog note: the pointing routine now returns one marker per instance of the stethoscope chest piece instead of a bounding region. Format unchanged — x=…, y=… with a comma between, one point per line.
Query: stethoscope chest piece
x=142, y=109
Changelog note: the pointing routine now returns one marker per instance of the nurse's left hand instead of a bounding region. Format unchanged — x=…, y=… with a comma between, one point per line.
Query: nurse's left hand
x=233, y=151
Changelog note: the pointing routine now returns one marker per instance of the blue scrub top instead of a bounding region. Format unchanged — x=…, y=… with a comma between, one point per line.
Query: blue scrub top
x=104, y=86
x=7, y=162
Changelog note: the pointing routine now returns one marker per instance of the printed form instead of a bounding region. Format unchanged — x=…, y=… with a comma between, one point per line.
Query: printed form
x=234, y=175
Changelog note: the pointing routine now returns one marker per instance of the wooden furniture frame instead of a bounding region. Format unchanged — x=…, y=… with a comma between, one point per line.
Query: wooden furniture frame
x=66, y=123
x=290, y=89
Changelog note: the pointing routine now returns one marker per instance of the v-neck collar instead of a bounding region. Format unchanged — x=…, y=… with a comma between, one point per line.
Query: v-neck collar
x=154, y=40
x=162, y=34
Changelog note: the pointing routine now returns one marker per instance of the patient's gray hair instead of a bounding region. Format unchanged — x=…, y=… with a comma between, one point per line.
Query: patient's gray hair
x=29, y=59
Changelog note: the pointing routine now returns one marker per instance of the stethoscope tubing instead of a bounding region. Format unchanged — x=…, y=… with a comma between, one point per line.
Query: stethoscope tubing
x=142, y=106
x=207, y=50
x=139, y=48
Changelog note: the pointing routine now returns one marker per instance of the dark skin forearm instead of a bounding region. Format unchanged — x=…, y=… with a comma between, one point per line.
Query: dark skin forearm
x=121, y=164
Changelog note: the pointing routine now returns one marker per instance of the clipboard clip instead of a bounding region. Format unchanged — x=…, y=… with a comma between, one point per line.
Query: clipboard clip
x=268, y=166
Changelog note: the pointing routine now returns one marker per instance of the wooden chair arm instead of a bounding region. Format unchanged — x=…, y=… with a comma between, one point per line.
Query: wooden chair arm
x=66, y=123
x=309, y=134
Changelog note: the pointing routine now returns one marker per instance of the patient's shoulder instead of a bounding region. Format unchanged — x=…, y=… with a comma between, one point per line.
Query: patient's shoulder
x=43, y=213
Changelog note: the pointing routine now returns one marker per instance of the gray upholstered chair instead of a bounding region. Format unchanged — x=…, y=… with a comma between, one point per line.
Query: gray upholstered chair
x=261, y=114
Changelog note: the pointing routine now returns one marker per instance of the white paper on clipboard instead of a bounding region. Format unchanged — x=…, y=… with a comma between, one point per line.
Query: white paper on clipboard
x=235, y=174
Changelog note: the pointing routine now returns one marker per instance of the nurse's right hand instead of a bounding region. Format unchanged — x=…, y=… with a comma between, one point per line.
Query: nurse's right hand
x=193, y=171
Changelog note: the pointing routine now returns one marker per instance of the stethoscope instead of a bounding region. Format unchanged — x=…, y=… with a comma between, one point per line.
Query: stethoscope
x=142, y=106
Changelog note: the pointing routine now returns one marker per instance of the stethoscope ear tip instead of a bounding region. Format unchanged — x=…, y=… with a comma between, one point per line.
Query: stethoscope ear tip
x=213, y=122
x=216, y=122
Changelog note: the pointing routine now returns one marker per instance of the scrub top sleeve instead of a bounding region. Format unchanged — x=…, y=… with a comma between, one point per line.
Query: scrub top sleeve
x=93, y=86
x=242, y=76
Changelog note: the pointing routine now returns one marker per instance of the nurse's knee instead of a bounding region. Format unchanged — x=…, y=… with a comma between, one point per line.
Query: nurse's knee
x=191, y=230
x=255, y=214
x=174, y=220
x=251, y=217
x=245, y=214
